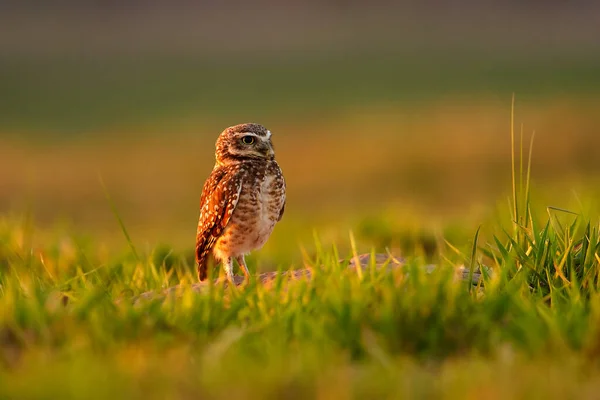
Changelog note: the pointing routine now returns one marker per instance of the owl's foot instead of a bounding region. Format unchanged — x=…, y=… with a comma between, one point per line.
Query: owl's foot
x=230, y=278
x=228, y=266
x=244, y=268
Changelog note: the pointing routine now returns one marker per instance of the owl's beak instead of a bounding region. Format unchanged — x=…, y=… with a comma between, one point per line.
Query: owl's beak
x=270, y=151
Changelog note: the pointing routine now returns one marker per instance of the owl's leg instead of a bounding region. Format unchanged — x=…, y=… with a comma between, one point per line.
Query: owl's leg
x=228, y=266
x=243, y=266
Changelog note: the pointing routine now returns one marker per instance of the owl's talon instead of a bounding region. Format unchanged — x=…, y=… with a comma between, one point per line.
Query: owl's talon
x=244, y=268
x=230, y=280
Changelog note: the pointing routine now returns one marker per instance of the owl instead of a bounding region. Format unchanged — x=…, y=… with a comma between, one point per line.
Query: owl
x=242, y=199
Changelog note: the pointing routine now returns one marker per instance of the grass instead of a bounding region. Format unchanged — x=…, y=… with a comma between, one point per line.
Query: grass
x=384, y=334
x=530, y=328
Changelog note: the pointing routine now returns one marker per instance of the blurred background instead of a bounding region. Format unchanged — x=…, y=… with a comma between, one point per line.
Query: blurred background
x=387, y=116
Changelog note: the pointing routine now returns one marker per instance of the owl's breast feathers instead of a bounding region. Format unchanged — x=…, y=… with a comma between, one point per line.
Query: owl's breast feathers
x=268, y=202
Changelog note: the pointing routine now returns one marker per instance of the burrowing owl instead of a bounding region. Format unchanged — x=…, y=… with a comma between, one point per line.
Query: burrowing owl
x=242, y=199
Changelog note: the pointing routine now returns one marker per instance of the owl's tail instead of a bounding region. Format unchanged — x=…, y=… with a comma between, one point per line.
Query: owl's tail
x=202, y=263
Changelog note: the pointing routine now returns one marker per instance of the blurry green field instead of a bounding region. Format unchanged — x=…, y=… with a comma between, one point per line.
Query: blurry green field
x=529, y=329
x=406, y=154
x=73, y=95
x=67, y=324
x=419, y=168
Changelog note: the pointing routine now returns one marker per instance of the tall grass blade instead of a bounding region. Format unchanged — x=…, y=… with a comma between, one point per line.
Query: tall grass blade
x=513, y=164
x=119, y=219
x=528, y=218
x=472, y=263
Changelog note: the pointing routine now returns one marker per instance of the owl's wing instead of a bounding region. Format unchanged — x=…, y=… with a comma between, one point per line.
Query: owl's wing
x=219, y=197
x=281, y=211
x=284, y=197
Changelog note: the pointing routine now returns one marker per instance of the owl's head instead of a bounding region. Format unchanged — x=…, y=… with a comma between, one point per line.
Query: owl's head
x=244, y=142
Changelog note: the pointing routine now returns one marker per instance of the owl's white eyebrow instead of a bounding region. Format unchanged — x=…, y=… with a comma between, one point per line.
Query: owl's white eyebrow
x=240, y=134
x=268, y=134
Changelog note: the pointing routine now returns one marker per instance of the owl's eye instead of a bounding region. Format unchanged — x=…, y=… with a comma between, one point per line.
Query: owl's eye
x=248, y=139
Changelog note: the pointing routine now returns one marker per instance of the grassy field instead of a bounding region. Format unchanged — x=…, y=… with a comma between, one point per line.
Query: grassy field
x=529, y=329
x=392, y=150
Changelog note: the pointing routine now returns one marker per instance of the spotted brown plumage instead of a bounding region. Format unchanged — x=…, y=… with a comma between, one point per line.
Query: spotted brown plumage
x=219, y=198
x=242, y=199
